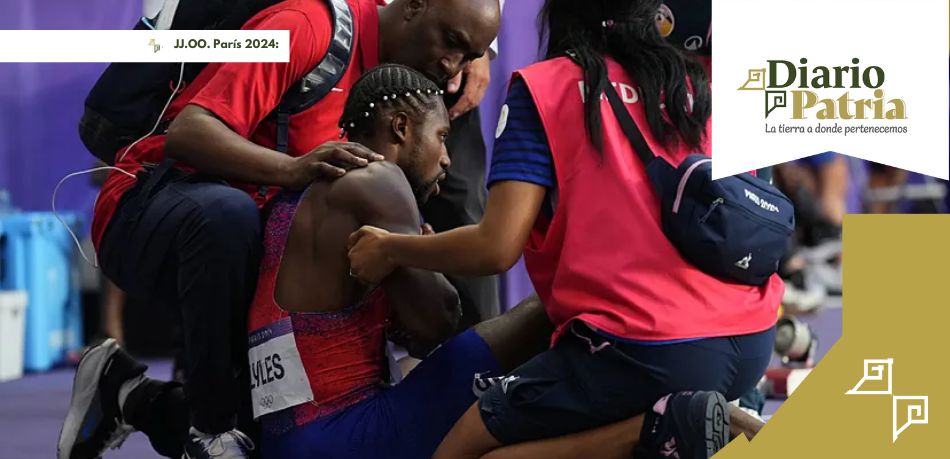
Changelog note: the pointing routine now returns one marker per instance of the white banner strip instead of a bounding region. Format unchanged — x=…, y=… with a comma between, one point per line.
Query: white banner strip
x=144, y=45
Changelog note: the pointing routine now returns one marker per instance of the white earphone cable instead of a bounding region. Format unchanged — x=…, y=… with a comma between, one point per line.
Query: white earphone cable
x=94, y=261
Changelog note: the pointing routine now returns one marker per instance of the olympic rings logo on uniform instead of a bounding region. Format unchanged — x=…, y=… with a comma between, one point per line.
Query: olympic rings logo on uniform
x=266, y=401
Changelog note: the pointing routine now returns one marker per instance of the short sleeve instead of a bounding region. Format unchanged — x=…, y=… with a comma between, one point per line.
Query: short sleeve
x=243, y=94
x=521, y=151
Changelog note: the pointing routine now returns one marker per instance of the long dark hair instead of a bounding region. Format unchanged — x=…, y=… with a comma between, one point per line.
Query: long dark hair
x=626, y=31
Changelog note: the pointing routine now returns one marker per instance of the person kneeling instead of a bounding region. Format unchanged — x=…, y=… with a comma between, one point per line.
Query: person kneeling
x=317, y=336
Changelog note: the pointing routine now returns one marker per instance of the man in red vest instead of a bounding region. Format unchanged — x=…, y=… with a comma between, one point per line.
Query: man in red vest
x=193, y=239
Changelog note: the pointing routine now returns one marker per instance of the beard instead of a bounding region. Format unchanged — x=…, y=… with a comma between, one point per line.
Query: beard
x=421, y=188
x=423, y=191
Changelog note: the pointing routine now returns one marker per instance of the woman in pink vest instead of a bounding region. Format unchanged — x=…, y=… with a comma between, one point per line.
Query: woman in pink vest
x=638, y=329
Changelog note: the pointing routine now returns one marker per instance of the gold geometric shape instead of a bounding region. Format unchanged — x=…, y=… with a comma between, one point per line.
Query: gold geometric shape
x=755, y=82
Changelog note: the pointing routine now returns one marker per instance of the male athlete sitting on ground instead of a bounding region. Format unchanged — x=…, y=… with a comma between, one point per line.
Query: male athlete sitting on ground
x=317, y=336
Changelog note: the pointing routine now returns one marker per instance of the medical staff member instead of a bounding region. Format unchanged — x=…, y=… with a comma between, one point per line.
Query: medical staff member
x=634, y=321
x=462, y=199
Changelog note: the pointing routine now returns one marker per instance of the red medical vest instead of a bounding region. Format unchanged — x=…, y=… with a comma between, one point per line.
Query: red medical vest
x=243, y=94
x=603, y=258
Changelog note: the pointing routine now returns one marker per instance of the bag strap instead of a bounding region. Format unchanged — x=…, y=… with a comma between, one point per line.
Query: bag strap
x=155, y=176
x=283, y=130
x=320, y=81
x=630, y=129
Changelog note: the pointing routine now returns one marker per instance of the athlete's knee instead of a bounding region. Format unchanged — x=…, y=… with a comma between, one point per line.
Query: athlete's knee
x=528, y=315
x=519, y=334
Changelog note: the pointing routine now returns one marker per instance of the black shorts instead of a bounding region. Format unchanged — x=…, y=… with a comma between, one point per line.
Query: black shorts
x=569, y=388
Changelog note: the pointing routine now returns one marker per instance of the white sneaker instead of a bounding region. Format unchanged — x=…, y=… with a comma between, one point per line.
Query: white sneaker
x=232, y=444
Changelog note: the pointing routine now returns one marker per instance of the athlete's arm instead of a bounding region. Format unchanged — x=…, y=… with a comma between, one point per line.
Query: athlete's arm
x=521, y=173
x=492, y=246
x=426, y=305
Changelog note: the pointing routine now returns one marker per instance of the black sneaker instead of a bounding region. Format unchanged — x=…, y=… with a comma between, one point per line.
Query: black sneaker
x=232, y=444
x=685, y=425
x=94, y=421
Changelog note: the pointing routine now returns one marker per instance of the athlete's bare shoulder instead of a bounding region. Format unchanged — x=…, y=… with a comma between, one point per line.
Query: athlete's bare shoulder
x=376, y=192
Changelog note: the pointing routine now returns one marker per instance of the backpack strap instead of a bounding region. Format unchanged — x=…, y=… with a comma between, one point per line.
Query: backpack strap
x=321, y=80
x=640, y=146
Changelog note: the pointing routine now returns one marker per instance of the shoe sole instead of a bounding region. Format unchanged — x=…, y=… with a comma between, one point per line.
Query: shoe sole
x=717, y=424
x=85, y=393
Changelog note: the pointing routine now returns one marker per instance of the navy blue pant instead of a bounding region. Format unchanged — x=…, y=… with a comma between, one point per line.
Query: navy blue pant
x=588, y=380
x=406, y=421
x=194, y=244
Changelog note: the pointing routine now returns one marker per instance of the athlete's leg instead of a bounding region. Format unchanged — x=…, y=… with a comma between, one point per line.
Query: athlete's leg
x=517, y=335
x=551, y=396
x=462, y=202
x=616, y=440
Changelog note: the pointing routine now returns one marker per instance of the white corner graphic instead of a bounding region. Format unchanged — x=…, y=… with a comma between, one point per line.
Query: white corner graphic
x=875, y=370
x=917, y=413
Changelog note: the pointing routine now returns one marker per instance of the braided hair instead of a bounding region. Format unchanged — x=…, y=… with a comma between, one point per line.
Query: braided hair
x=387, y=87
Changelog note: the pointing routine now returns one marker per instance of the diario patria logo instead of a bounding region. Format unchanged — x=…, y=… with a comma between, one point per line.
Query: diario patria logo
x=849, y=89
x=817, y=92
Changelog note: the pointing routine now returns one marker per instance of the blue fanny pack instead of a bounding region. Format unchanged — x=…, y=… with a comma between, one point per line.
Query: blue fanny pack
x=735, y=228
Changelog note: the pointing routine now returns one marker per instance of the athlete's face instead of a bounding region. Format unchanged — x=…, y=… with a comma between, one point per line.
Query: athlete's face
x=427, y=159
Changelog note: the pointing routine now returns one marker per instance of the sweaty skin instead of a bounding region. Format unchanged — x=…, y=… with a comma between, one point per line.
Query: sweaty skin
x=314, y=273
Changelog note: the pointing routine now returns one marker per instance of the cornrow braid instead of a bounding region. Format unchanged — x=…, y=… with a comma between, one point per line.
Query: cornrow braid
x=388, y=86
